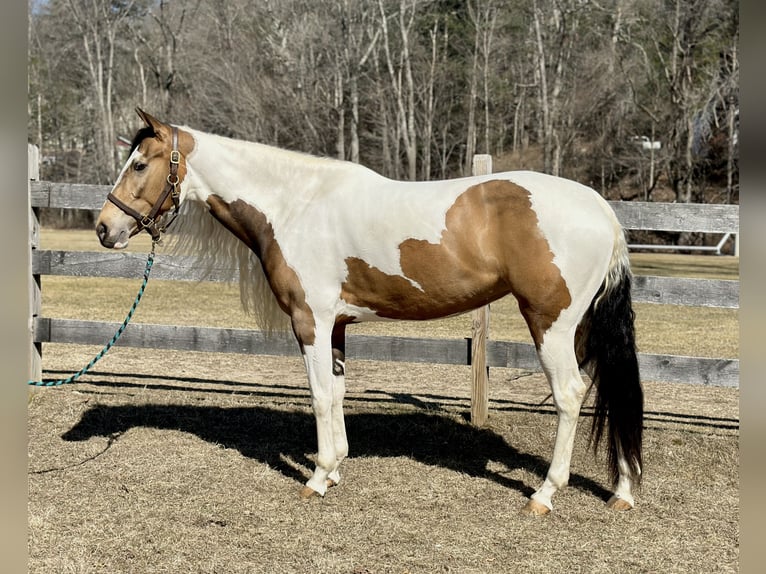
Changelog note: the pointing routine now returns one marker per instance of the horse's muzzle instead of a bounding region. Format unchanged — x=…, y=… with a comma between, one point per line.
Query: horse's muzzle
x=112, y=240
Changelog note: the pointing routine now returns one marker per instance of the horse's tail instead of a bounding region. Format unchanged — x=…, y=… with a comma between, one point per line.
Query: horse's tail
x=607, y=345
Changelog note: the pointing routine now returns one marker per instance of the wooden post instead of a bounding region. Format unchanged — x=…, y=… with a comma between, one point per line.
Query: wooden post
x=482, y=165
x=35, y=363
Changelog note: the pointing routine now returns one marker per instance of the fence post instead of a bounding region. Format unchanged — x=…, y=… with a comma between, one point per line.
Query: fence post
x=482, y=165
x=35, y=363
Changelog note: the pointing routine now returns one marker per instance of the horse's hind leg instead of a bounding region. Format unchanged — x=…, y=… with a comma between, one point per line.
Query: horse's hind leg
x=622, y=499
x=339, y=391
x=559, y=362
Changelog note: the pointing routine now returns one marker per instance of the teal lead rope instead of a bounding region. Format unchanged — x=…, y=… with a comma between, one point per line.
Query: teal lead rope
x=97, y=358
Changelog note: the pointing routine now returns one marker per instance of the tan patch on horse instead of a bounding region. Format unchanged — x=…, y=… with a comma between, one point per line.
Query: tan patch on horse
x=252, y=228
x=492, y=246
x=142, y=191
x=161, y=145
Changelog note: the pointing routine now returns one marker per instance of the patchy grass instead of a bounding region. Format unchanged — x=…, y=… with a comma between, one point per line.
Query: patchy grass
x=183, y=462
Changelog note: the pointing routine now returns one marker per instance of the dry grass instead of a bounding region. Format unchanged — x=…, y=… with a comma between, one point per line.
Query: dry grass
x=170, y=462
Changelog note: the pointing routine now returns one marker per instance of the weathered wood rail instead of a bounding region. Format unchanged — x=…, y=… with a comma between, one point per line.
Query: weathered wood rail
x=633, y=215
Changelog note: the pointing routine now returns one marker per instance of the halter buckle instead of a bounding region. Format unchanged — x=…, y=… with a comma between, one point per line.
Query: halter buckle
x=175, y=156
x=146, y=222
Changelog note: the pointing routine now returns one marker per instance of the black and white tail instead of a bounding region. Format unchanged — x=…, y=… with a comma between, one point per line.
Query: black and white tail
x=607, y=348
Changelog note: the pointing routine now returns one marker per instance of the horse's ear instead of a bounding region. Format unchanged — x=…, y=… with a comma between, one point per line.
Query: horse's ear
x=152, y=122
x=149, y=120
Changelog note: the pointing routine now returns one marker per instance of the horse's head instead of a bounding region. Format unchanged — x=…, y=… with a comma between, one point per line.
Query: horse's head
x=148, y=186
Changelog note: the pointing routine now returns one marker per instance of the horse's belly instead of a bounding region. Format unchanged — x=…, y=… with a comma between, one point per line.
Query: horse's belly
x=370, y=294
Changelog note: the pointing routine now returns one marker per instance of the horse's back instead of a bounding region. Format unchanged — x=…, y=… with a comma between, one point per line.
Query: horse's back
x=511, y=211
x=569, y=213
x=446, y=247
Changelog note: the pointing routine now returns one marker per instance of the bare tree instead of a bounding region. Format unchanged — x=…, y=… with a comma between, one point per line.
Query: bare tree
x=730, y=97
x=430, y=104
x=404, y=89
x=483, y=16
x=683, y=50
x=357, y=41
x=412, y=88
x=100, y=24
x=158, y=39
x=556, y=25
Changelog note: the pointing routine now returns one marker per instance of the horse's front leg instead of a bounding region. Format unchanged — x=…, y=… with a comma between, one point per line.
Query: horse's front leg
x=317, y=356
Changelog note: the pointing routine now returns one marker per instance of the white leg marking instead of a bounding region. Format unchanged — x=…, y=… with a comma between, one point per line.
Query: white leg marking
x=338, y=426
x=558, y=359
x=318, y=359
x=624, y=488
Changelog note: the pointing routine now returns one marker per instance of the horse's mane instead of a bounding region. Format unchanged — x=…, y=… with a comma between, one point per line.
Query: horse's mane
x=142, y=134
x=197, y=233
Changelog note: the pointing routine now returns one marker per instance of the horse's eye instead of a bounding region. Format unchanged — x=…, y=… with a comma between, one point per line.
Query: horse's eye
x=138, y=166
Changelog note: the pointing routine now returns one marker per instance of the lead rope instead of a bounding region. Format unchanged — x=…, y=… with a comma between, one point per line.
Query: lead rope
x=97, y=358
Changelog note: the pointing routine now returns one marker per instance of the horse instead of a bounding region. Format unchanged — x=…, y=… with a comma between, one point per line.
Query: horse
x=323, y=243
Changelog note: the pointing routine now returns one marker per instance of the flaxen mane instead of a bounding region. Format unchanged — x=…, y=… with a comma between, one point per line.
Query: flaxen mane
x=197, y=233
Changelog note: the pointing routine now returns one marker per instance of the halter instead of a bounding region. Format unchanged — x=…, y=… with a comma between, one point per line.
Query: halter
x=149, y=221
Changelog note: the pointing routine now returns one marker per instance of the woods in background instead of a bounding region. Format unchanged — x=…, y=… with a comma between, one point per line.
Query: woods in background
x=637, y=98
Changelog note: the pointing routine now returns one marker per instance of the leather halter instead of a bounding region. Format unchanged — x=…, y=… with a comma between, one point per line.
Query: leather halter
x=150, y=221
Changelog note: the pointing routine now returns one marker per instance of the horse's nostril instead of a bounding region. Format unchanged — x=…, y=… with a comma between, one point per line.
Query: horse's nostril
x=103, y=234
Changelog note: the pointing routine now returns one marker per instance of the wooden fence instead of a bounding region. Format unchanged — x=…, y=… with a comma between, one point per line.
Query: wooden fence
x=633, y=215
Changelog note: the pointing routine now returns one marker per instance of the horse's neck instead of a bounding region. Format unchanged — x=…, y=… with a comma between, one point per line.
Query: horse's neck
x=261, y=175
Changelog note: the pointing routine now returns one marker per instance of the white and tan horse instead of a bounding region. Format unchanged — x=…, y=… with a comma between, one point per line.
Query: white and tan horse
x=325, y=243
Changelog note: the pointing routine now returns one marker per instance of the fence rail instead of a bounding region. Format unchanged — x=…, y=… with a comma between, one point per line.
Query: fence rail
x=667, y=368
x=701, y=217
x=633, y=215
x=704, y=218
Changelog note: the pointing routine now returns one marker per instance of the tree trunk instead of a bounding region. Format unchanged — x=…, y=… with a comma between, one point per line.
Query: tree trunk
x=405, y=102
x=429, y=114
x=488, y=28
x=338, y=101
x=411, y=142
x=470, y=140
x=354, y=95
x=732, y=106
x=542, y=75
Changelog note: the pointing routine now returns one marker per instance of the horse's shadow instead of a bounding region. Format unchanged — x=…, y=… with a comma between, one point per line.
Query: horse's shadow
x=276, y=437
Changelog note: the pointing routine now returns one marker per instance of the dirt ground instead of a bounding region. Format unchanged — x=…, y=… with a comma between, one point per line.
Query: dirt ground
x=191, y=462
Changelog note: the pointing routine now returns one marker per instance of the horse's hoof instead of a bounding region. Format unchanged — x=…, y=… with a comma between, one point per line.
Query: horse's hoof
x=618, y=504
x=534, y=508
x=307, y=493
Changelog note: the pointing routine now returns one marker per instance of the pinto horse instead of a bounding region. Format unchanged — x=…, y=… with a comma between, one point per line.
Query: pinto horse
x=323, y=243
